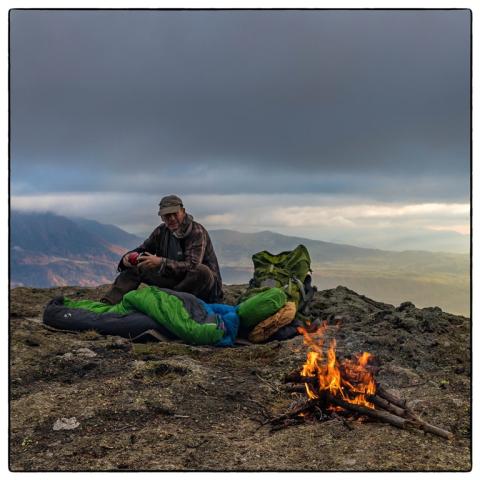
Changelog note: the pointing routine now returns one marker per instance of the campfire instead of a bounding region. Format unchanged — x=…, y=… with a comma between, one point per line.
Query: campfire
x=351, y=380
x=344, y=388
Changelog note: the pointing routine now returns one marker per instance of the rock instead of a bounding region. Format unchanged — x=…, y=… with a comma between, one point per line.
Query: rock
x=66, y=423
x=404, y=306
x=85, y=352
x=406, y=323
x=80, y=352
x=119, y=344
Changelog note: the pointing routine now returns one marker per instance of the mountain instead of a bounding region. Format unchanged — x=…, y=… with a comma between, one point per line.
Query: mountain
x=235, y=246
x=51, y=250
x=109, y=233
x=434, y=241
x=236, y=249
x=425, y=278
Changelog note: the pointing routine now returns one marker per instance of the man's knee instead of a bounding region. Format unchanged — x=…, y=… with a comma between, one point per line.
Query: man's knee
x=202, y=274
x=131, y=272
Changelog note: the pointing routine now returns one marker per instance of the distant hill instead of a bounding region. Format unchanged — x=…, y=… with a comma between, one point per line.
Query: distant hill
x=434, y=241
x=108, y=233
x=50, y=250
x=425, y=278
x=236, y=248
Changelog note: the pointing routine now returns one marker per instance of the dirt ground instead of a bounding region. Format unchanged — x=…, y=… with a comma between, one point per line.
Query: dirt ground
x=171, y=406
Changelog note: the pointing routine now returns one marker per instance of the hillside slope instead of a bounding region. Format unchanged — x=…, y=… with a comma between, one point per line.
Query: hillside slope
x=171, y=406
x=48, y=250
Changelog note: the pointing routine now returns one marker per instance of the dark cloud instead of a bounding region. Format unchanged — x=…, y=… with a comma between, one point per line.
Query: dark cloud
x=242, y=179
x=372, y=102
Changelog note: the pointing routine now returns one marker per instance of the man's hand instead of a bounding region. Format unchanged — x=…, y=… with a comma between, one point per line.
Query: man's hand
x=125, y=261
x=148, y=261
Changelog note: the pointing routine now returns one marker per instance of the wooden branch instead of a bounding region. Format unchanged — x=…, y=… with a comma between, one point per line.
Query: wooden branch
x=399, y=402
x=382, y=403
x=344, y=421
x=293, y=377
x=295, y=411
x=295, y=388
x=401, y=422
x=287, y=423
x=387, y=417
x=427, y=427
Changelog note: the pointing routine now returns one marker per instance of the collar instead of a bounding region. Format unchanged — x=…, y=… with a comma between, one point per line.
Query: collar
x=185, y=228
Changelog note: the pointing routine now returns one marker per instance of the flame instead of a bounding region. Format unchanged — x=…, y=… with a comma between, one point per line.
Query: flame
x=350, y=379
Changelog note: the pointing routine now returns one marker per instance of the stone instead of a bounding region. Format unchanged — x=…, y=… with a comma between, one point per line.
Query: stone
x=66, y=423
x=85, y=352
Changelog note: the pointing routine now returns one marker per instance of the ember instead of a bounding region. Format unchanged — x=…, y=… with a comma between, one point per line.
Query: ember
x=345, y=386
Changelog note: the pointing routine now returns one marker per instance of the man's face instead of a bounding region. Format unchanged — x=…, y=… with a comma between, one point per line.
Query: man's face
x=174, y=220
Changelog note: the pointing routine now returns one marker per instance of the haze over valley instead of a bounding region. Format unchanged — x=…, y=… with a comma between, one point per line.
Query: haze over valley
x=51, y=250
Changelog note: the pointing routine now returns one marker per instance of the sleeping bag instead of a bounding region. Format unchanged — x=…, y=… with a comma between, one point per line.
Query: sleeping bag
x=178, y=314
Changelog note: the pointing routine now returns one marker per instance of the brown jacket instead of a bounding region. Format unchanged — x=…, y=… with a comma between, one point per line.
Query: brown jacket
x=183, y=251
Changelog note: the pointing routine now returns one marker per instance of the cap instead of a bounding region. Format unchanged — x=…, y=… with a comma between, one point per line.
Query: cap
x=170, y=204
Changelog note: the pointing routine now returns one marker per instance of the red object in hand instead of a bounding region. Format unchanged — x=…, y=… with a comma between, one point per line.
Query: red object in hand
x=133, y=258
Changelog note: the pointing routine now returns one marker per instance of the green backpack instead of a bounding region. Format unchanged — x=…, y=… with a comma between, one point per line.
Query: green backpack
x=289, y=270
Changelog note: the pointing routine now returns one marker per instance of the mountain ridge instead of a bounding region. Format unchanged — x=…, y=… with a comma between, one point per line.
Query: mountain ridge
x=336, y=243
x=49, y=250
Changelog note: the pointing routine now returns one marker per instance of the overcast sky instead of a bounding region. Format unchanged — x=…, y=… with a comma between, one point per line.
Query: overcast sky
x=350, y=126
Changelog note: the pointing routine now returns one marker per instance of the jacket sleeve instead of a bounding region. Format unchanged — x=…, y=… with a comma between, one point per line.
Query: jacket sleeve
x=147, y=246
x=194, y=251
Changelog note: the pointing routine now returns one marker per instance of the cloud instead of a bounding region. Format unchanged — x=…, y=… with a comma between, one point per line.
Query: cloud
x=287, y=213
x=220, y=220
x=335, y=124
x=138, y=96
x=463, y=229
x=237, y=178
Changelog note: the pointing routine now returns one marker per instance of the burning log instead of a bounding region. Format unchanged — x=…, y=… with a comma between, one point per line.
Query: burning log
x=296, y=388
x=391, y=413
x=294, y=377
x=296, y=411
x=336, y=386
x=382, y=403
x=378, y=414
x=395, y=420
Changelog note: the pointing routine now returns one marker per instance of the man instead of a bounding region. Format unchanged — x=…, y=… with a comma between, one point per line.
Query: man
x=177, y=255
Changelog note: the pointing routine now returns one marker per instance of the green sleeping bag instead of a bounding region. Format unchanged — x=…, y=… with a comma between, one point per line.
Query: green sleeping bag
x=167, y=310
x=261, y=306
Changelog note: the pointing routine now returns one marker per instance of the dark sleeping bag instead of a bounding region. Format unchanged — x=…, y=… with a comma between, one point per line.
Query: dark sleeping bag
x=174, y=314
x=129, y=325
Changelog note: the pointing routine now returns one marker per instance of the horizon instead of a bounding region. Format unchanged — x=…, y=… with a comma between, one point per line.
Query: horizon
x=145, y=234
x=349, y=126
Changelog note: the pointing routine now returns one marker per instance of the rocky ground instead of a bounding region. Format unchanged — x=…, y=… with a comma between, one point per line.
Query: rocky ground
x=83, y=401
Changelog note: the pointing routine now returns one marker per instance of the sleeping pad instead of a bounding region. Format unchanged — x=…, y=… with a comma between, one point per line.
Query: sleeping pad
x=181, y=314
